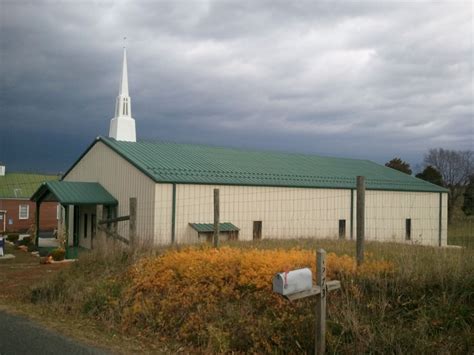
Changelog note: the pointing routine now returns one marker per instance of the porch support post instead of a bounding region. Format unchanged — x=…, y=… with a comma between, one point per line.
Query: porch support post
x=37, y=222
x=66, y=230
x=100, y=215
x=352, y=214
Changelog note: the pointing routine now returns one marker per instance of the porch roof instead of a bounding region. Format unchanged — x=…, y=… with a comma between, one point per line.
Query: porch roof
x=73, y=193
x=209, y=227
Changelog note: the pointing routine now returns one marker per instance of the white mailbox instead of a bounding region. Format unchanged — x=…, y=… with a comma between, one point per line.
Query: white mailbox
x=287, y=283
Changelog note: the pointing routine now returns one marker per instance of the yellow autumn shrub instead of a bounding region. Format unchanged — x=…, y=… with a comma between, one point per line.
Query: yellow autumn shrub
x=205, y=296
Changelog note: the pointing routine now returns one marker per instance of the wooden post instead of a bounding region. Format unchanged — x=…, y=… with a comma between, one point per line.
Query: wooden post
x=132, y=223
x=114, y=225
x=352, y=214
x=216, y=218
x=100, y=213
x=320, y=345
x=320, y=291
x=360, y=216
x=66, y=230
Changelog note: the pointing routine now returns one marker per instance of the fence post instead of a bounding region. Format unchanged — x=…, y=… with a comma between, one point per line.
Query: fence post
x=360, y=216
x=320, y=346
x=132, y=223
x=216, y=218
x=99, y=215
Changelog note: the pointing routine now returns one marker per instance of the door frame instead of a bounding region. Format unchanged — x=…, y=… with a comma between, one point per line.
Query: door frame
x=4, y=224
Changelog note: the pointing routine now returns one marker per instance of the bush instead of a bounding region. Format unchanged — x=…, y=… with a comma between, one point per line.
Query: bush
x=197, y=296
x=205, y=300
x=13, y=237
x=58, y=254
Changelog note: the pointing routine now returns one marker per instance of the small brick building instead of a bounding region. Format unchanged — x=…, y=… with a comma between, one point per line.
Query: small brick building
x=17, y=212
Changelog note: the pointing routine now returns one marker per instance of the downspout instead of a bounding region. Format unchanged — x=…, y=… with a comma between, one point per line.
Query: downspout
x=440, y=225
x=173, y=216
x=352, y=214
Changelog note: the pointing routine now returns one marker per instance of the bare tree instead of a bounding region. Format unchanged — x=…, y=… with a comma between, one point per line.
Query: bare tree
x=455, y=166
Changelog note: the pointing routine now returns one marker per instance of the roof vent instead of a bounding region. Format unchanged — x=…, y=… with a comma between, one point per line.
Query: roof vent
x=2, y=170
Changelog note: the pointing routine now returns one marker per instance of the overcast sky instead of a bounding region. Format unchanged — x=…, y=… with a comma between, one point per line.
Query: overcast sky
x=365, y=79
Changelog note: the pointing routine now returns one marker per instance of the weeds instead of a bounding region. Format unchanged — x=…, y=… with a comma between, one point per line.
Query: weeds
x=409, y=299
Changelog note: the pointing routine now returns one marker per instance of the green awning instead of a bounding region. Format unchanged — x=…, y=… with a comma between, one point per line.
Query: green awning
x=209, y=227
x=73, y=193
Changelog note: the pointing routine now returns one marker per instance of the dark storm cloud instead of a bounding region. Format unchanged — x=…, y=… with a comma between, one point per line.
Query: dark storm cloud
x=363, y=79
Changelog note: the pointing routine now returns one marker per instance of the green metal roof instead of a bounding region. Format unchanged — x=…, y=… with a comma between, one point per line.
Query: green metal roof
x=209, y=227
x=74, y=193
x=199, y=164
x=22, y=185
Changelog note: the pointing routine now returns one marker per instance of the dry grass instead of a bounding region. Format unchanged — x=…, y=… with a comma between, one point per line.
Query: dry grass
x=462, y=233
x=425, y=306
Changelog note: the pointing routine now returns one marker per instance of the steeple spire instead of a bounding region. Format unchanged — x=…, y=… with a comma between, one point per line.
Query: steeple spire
x=124, y=84
x=122, y=126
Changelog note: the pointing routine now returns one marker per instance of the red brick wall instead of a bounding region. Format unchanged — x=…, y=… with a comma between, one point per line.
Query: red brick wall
x=48, y=219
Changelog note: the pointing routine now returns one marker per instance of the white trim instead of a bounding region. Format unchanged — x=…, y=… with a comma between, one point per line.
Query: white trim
x=27, y=212
x=59, y=212
x=4, y=220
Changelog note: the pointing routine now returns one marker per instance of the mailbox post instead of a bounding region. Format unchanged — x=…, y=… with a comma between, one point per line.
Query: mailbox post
x=320, y=338
x=297, y=284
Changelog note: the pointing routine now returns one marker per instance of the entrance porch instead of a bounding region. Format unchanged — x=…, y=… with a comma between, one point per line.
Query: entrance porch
x=78, y=218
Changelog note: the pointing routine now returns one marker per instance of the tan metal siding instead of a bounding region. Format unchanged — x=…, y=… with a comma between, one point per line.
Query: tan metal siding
x=284, y=212
x=307, y=213
x=119, y=177
x=387, y=211
x=163, y=213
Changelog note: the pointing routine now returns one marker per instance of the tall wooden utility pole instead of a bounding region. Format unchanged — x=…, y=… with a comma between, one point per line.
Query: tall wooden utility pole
x=216, y=218
x=360, y=216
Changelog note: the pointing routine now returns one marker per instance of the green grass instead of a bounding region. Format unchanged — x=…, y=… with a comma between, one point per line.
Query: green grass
x=461, y=232
x=425, y=306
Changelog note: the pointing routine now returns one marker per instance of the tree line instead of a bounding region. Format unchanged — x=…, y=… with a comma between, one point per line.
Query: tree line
x=452, y=169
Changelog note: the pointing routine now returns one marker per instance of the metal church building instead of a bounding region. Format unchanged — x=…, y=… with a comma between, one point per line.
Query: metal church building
x=263, y=194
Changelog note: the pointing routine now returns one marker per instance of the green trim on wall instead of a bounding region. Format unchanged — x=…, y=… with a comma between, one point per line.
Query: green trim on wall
x=440, y=225
x=173, y=216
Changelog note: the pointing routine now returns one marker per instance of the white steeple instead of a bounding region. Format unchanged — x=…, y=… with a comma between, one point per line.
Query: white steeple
x=122, y=126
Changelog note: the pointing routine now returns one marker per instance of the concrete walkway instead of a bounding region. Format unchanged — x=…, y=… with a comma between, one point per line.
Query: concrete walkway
x=21, y=336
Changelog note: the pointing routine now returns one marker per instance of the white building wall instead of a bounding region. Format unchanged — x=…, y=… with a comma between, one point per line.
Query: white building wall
x=387, y=211
x=163, y=213
x=303, y=213
x=284, y=212
x=101, y=164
